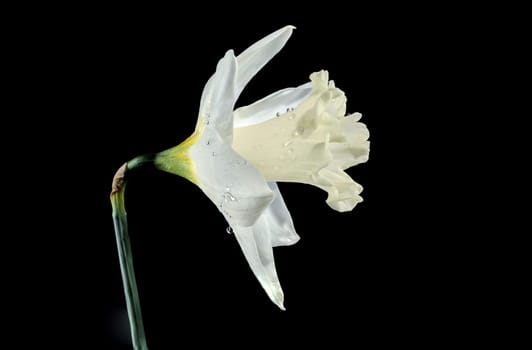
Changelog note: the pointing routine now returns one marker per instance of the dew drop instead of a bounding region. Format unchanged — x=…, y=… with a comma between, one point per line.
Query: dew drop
x=228, y=196
x=299, y=131
x=229, y=230
x=278, y=114
x=288, y=143
x=208, y=142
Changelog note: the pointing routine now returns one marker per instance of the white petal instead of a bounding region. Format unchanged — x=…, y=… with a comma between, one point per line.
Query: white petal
x=255, y=242
x=205, y=103
x=249, y=63
x=279, y=221
x=234, y=185
x=273, y=228
x=257, y=55
x=219, y=97
x=271, y=106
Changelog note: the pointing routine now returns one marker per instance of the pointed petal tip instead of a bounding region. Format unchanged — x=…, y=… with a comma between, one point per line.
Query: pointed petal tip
x=279, y=303
x=277, y=296
x=230, y=53
x=289, y=29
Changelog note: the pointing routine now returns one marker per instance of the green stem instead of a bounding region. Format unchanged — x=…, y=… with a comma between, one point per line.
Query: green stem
x=125, y=253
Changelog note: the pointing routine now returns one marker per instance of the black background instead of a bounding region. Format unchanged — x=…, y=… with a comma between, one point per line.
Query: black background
x=116, y=83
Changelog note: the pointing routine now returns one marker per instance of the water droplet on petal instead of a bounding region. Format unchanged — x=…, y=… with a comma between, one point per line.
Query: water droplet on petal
x=228, y=196
x=208, y=142
x=299, y=131
x=229, y=230
x=277, y=114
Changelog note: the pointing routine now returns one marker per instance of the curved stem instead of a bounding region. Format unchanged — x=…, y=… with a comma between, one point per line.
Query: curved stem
x=125, y=253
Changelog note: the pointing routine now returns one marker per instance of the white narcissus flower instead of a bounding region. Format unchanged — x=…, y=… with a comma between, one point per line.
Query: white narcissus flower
x=294, y=135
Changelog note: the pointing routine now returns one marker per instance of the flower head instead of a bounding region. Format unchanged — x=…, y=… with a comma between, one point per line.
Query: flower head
x=294, y=135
